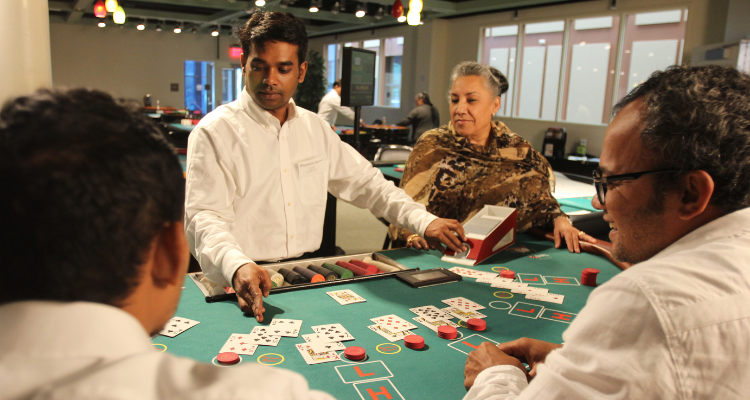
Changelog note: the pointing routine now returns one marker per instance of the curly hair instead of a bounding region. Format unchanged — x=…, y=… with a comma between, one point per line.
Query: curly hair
x=698, y=118
x=495, y=82
x=276, y=26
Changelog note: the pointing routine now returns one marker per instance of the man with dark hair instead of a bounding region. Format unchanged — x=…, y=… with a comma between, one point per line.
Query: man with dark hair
x=330, y=106
x=259, y=170
x=674, y=185
x=94, y=258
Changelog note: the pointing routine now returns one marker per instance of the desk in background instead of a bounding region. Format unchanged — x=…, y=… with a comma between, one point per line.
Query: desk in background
x=433, y=373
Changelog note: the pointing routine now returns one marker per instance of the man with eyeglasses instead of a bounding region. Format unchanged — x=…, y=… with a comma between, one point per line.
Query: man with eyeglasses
x=674, y=185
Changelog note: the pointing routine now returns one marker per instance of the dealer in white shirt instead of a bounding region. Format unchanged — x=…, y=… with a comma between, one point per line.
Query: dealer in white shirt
x=330, y=106
x=259, y=168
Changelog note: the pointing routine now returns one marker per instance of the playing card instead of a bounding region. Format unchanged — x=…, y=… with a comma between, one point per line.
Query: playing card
x=177, y=325
x=430, y=313
x=332, y=333
x=393, y=336
x=260, y=336
x=319, y=346
x=503, y=283
x=346, y=296
x=393, y=323
x=554, y=298
x=284, y=327
x=517, y=287
x=463, y=315
x=471, y=273
x=311, y=357
x=239, y=344
x=462, y=303
x=435, y=324
x=534, y=290
x=487, y=279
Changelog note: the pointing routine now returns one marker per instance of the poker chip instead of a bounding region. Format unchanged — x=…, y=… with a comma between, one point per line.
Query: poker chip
x=506, y=273
x=588, y=276
x=343, y=273
x=355, y=353
x=476, y=324
x=292, y=277
x=447, y=332
x=381, y=266
x=414, y=342
x=366, y=266
x=228, y=358
x=357, y=271
x=328, y=274
x=276, y=278
x=309, y=275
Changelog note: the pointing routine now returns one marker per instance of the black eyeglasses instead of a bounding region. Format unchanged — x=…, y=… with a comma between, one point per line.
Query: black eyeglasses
x=601, y=182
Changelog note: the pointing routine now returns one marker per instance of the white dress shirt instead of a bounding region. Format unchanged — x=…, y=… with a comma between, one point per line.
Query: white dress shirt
x=674, y=327
x=55, y=350
x=330, y=108
x=257, y=190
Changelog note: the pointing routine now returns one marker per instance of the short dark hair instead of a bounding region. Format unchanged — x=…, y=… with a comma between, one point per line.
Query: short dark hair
x=337, y=82
x=86, y=185
x=698, y=118
x=275, y=26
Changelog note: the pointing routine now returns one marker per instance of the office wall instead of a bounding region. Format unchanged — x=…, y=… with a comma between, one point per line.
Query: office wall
x=444, y=43
x=129, y=63
x=738, y=15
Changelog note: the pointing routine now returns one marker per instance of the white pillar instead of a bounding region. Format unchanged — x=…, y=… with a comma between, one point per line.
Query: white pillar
x=25, y=59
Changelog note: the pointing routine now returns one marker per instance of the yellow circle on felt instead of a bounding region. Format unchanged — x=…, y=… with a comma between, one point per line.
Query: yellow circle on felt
x=462, y=326
x=503, y=295
x=387, y=351
x=498, y=269
x=164, y=346
x=498, y=308
x=261, y=359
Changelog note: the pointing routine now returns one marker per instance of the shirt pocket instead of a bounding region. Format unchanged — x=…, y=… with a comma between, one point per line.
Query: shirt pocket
x=313, y=182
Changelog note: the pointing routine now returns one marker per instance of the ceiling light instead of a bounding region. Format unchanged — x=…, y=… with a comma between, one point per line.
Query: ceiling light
x=141, y=26
x=119, y=15
x=100, y=10
x=111, y=5
x=101, y=24
x=158, y=27
x=315, y=6
x=360, y=10
x=415, y=5
x=380, y=13
x=178, y=27
x=260, y=3
x=402, y=18
x=412, y=18
x=215, y=32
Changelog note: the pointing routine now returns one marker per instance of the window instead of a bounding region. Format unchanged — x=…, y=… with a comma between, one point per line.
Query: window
x=653, y=42
x=231, y=84
x=540, y=70
x=199, y=93
x=389, y=54
x=591, y=65
x=499, y=51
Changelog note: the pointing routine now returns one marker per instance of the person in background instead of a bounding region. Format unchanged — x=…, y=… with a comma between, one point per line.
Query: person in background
x=330, y=106
x=674, y=184
x=259, y=171
x=459, y=168
x=421, y=119
x=94, y=195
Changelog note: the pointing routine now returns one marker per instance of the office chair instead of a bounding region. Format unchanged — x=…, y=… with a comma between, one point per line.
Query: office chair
x=393, y=152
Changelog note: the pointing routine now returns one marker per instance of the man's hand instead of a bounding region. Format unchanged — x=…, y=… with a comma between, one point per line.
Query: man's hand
x=448, y=232
x=487, y=355
x=252, y=283
x=530, y=351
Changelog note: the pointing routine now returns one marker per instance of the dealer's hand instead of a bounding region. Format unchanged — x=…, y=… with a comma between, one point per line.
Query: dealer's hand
x=252, y=283
x=565, y=231
x=448, y=232
x=485, y=356
x=531, y=351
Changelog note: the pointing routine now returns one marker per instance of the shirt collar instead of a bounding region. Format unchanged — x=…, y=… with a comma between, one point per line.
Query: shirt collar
x=259, y=114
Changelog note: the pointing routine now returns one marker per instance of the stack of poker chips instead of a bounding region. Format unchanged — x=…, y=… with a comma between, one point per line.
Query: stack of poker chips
x=447, y=332
x=383, y=267
x=228, y=358
x=506, y=273
x=357, y=271
x=415, y=342
x=343, y=273
x=328, y=274
x=292, y=277
x=588, y=276
x=476, y=324
x=310, y=276
x=355, y=353
x=276, y=278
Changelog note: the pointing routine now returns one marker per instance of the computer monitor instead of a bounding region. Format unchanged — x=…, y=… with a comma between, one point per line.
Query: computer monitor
x=358, y=77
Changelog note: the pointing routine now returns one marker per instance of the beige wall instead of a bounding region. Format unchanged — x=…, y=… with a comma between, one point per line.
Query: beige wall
x=129, y=63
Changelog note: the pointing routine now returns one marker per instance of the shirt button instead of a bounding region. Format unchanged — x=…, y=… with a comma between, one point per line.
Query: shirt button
x=285, y=170
x=266, y=126
x=289, y=204
x=291, y=237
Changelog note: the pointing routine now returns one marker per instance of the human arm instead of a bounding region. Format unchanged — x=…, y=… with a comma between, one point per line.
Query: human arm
x=410, y=119
x=572, y=236
x=209, y=216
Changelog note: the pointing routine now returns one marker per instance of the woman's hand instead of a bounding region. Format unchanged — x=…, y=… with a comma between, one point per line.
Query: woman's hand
x=565, y=231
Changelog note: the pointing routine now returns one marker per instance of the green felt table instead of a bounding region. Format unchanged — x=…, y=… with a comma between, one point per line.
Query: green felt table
x=434, y=372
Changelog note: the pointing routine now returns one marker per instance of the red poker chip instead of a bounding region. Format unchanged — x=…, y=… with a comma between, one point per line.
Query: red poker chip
x=476, y=324
x=447, y=332
x=590, y=271
x=415, y=342
x=507, y=274
x=228, y=358
x=355, y=353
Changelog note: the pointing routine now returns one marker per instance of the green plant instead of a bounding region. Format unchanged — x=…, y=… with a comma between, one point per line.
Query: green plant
x=313, y=88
